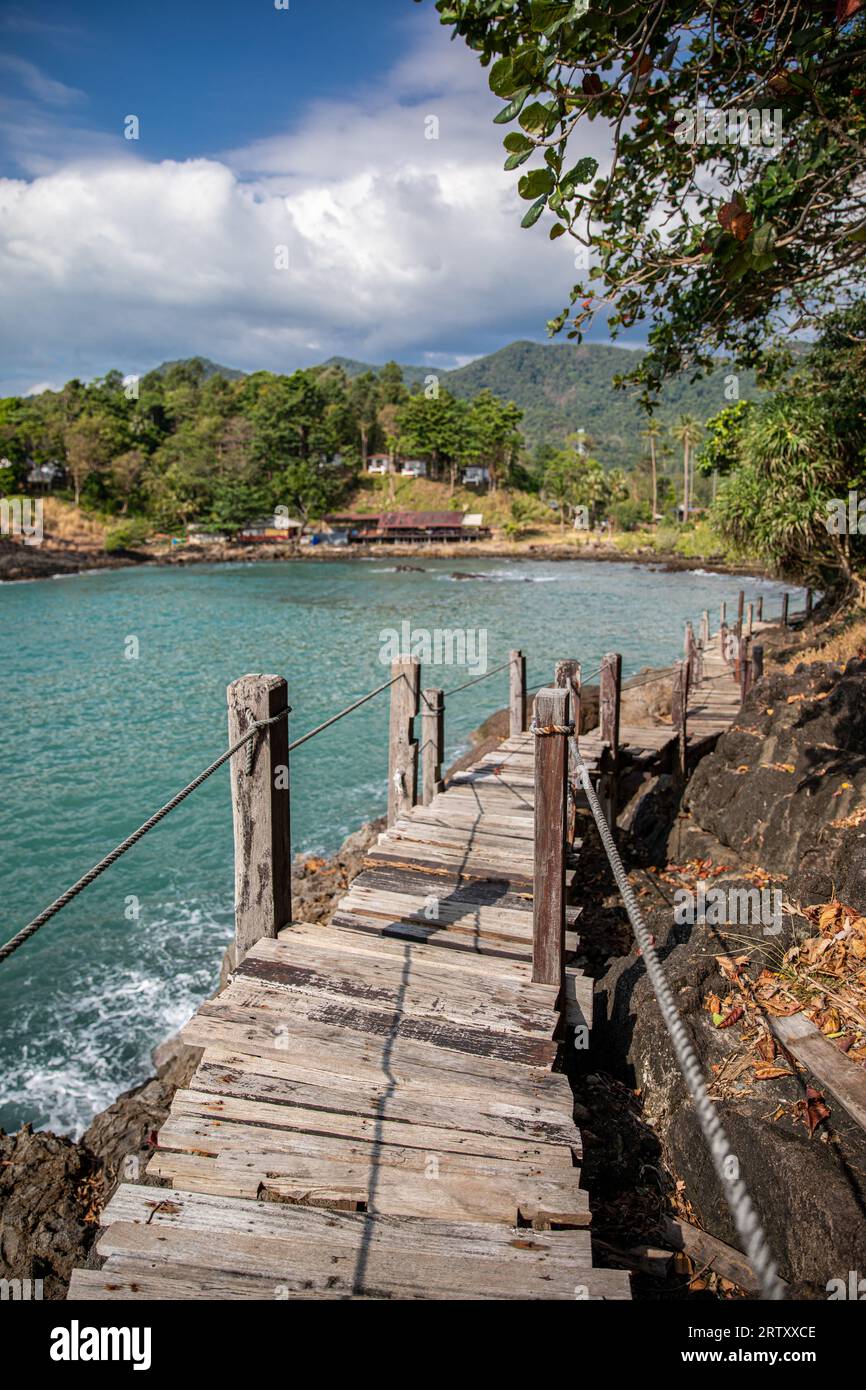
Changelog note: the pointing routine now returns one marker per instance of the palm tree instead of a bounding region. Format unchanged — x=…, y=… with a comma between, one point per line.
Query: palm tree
x=687, y=432
x=652, y=434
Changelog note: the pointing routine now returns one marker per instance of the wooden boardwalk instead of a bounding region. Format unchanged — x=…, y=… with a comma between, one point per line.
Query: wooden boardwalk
x=376, y=1113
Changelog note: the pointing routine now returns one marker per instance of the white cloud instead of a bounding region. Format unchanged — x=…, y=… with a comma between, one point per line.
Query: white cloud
x=398, y=245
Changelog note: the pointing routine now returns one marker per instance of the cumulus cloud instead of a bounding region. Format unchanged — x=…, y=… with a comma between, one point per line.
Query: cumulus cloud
x=397, y=244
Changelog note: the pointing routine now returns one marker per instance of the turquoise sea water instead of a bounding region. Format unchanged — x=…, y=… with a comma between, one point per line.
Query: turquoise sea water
x=94, y=742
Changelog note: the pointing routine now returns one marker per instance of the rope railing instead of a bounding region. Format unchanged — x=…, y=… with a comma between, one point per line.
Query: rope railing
x=727, y=1167
x=24, y=935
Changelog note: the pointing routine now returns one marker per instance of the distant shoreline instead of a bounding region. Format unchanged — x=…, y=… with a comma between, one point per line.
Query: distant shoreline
x=20, y=563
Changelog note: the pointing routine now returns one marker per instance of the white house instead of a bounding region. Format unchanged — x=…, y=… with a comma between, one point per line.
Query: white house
x=414, y=468
x=379, y=463
x=476, y=476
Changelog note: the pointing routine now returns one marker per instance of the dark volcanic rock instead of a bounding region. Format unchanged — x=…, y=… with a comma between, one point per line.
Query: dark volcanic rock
x=50, y=1192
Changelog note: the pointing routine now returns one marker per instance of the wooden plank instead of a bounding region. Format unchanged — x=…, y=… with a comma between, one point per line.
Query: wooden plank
x=845, y=1079
x=488, y=942
x=223, y=1072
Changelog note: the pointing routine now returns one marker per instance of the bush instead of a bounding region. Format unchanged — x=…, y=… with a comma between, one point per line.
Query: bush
x=629, y=515
x=128, y=534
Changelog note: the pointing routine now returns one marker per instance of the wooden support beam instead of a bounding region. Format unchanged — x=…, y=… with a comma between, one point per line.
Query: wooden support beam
x=567, y=677
x=741, y=599
x=679, y=712
x=785, y=598
x=516, y=693
x=757, y=662
x=610, y=696
x=760, y=611
x=432, y=743
x=402, y=746
x=745, y=665
x=705, y=628
x=260, y=810
x=750, y=619
x=689, y=646
x=723, y=614
x=552, y=707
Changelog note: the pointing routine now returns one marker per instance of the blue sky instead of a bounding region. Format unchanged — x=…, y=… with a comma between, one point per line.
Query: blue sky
x=284, y=200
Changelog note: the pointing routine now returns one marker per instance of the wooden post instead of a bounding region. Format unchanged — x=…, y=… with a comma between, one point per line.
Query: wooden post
x=516, y=693
x=567, y=677
x=723, y=614
x=723, y=641
x=402, y=747
x=737, y=647
x=757, y=662
x=609, y=698
x=785, y=598
x=745, y=665
x=260, y=811
x=679, y=712
x=552, y=706
x=741, y=599
x=705, y=628
x=760, y=612
x=689, y=649
x=432, y=743
x=808, y=605
x=750, y=619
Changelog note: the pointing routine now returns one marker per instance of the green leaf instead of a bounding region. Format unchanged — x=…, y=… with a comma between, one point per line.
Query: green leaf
x=517, y=143
x=501, y=78
x=532, y=216
x=763, y=240
x=584, y=170
x=513, y=108
x=536, y=182
x=514, y=161
x=556, y=231
x=536, y=117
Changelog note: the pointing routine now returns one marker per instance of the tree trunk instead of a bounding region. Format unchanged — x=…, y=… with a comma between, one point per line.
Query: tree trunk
x=685, y=482
x=655, y=488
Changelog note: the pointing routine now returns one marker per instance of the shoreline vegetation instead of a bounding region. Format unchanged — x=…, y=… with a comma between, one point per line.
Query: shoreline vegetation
x=53, y=1188
x=75, y=543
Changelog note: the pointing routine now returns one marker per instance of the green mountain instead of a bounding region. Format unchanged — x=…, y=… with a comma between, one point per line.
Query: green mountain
x=413, y=376
x=562, y=388
x=208, y=368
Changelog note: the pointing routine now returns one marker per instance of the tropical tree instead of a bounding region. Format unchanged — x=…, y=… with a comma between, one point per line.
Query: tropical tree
x=687, y=432
x=652, y=434
x=734, y=198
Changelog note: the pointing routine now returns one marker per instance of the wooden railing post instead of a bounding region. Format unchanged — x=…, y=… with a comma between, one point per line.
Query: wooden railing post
x=737, y=648
x=785, y=598
x=723, y=614
x=809, y=598
x=723, y=641
x=552, y=707
x=516, y=693
x=609, y=699
x=741, y=599
x=432, y=743
x=705, y=628
x=679, y=712
x=567, y=677
x=260, y=811
x=745, y=665
x=760, y=613
x=750, y=619
x=757, y=662
x=402, y=746
x=689, y=649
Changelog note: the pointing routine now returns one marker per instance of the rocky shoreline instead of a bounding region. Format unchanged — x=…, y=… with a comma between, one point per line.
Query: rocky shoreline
x=19, y=562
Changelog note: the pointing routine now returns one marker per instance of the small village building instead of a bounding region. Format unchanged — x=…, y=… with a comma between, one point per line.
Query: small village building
x=378, y=463
x=44, y=476
x=277, y=527
x=414, y=468
x=476, y=476
x=389, y=528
